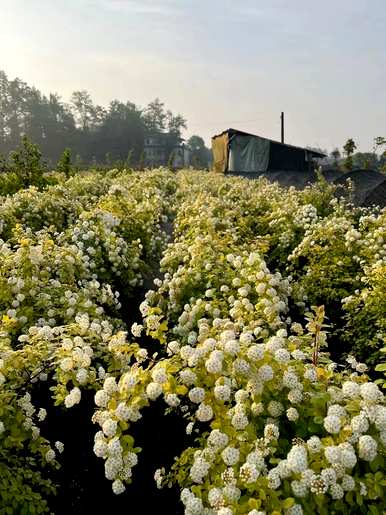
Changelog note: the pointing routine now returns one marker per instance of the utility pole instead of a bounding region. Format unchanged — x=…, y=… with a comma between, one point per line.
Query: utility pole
x=282, y=126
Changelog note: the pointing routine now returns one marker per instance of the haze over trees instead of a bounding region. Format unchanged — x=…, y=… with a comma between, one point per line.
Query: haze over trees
x=94, y=134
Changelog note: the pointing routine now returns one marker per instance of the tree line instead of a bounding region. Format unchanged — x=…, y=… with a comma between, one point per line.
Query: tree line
x=94, y=134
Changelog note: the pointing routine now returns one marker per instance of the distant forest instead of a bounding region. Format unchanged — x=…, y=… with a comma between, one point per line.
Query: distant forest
x=93, y=133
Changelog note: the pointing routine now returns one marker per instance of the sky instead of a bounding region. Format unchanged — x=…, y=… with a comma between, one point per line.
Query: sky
x=219, y=63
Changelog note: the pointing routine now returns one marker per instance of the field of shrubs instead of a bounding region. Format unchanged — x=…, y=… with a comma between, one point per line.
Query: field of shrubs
x=190, y=343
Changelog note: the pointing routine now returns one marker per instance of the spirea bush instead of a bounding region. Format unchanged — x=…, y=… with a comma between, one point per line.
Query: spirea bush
x=232, y=338
x=278, y=427
x=60, y=313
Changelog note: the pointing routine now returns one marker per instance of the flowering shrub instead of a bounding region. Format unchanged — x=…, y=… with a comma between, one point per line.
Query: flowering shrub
x=60, y=310
x=278, y=428
x=239, y=349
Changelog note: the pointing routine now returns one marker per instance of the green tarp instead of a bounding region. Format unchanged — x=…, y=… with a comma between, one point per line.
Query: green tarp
x=248, y=154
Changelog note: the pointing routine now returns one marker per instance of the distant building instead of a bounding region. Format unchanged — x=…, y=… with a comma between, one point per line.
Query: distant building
x=235, y=151
x=163, y=149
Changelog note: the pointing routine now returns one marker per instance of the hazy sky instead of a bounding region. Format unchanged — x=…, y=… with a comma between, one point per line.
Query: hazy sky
x=220, y=63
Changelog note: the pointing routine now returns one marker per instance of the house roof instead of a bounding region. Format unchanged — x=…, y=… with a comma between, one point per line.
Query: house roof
x=233, y=132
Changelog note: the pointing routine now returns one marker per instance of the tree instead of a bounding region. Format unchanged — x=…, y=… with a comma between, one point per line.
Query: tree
x=349, y=148
x=154, y=116
x=87, y=115
x=87, y=129
x=175, y=123
x=365, y=160
x=199, y=153
x=335, y=154
x=64, y=163
x=27, y=163
x=123, y=129
x=380, y=142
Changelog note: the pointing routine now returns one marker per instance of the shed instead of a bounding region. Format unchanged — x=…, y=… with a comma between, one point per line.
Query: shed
x=238, y=151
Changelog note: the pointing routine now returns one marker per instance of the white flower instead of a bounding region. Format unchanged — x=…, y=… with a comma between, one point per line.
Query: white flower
x=232, y=347
x=359, y=423
x=213, y=366
x=82, y=375
x=298, y=354
x=72, y=398
x=230, y=456
x=350, y=389
x=361, y=368
x=332, y=424
x=109, y=427
x=292, y=414
x=136, y=329
x=197, y=395
x=329, y=475
x=172, y=400
x=296, y=509
x=299, y=488
x=240, y=421
x=101, y=398
x=282, y=356
x=314, y=444
x=194, y=506
x=297, y=458
x=380, y=418
x=218, y=439
x=295, y=396
x=231, y=492
x=118, y=487
x=158, y=477
x=256, y=352
x=367, y=448
x=189, y=428
x=274, y=480
x=204, y=412
x=122, y=412
x=336, y=491
x=348, y=483
x=42, y=413
x=336, y=410
x=222, y=392
x=275, y=408
x=265, y=373
x=271, y=432
x=215, y=496
x=318, y=486
x=100, y=449
x=173, y=348
x=290, y=380
x=153, y=390
x=50, y=456
x=370, y=392
x=225, y=511
x=249, y=473
x=159, y=375
x=187, y=376
x=333, y=454
x=310, y=374
x=110, y=385
x=199, y=470
x=363, y=489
